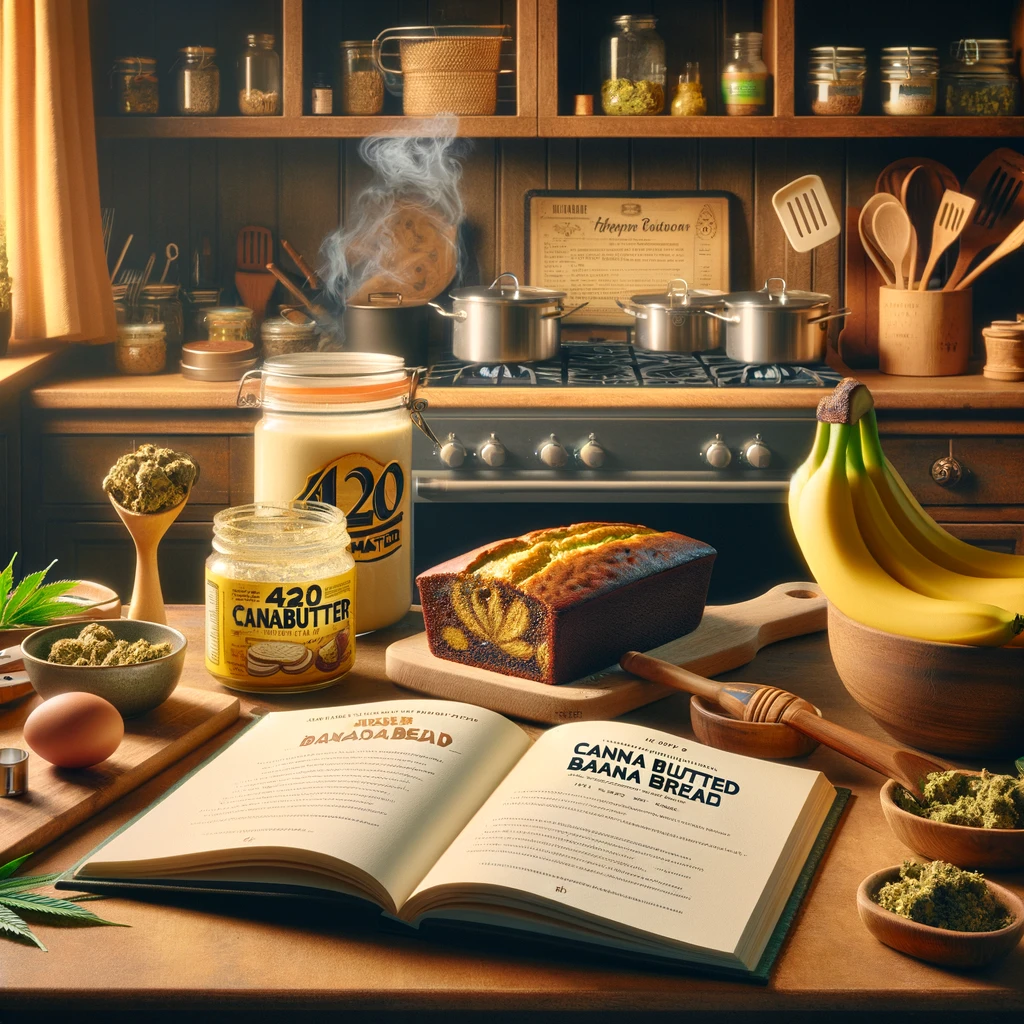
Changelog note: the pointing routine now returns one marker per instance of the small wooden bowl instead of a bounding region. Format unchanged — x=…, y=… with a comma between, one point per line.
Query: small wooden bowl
x=943, y=698
x=772, y=740
x=963, y=845
x=938, y=945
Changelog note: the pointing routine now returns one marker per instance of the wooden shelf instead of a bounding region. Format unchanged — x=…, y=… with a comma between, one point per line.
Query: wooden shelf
x=303, y=127
x=664, y=126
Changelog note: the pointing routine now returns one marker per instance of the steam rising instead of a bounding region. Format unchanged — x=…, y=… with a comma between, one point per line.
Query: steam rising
x=403, y=235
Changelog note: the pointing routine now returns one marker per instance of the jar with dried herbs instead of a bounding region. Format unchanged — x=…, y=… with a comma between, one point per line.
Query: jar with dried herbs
x=228, y=323
x=362, y=84
x=910, y=80
x=140, y=348
x=161, y=303
x=633, y=68
x=981, y=79
x=745, y=77
x=137, y=85
x=282, y=337
x=689, y=100
x=835, y=80
x=198, y=89
x=259, y=76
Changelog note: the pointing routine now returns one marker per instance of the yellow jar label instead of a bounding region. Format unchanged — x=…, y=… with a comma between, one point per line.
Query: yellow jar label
x=373, y=497
x=280, y=635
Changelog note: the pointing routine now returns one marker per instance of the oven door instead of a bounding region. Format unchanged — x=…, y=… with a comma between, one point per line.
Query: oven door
x=654, y=472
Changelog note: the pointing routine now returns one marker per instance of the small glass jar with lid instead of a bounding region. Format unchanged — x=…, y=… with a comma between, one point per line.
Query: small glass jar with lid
x=282, y=337
x=835, y=80
x=200, y=302
x=745, y=77
x=280, y=597
x=137, y=88
x=633, y=67
x=140, y=348
x=161, y=303
x=259, y=76
x=362, y=84
x=689, y=100
x=980, y=79
x=228, y=323
x=910, y=80
x=198, y=85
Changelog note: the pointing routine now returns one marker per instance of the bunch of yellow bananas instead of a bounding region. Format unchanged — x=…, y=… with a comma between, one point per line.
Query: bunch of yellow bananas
x=879, y=557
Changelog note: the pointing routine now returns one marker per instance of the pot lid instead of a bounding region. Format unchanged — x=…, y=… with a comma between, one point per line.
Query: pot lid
x=679, y=294
x=499, y=292
x=774, y=294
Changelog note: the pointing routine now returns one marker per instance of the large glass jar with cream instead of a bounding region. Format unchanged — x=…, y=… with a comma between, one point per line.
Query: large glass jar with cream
x=336, y=428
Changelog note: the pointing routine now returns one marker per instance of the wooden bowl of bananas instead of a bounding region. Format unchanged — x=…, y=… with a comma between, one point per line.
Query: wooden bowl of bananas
x=924, y=628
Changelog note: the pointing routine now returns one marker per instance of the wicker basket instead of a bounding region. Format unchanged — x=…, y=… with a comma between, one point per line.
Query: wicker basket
x=429, y=93
x=451, y=53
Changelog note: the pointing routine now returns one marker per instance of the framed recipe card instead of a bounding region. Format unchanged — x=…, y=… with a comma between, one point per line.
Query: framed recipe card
x=602, y=246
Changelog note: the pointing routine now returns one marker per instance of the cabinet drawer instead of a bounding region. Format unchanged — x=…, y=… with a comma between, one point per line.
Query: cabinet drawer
x=1005, y=537
x=993, y=468
x=73, y=467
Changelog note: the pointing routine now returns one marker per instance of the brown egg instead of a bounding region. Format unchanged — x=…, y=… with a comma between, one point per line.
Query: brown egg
x=74, y=730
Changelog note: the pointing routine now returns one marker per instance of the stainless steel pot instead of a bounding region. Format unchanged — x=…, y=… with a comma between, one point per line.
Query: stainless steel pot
x=388, y=325
x=502, y=323
x=776, y=325
x=674, y=321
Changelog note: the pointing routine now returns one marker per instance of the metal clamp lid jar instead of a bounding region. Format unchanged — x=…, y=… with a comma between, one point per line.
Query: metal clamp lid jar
x=910, y=80
x=777, y=325
x=504, y=322
x=981, y=79
x=674, y=320
x=835, y=79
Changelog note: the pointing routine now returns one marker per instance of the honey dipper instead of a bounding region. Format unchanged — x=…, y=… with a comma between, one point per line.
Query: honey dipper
x=751, y=702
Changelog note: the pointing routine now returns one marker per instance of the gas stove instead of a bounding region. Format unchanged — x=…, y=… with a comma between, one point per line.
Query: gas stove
x=620, y=365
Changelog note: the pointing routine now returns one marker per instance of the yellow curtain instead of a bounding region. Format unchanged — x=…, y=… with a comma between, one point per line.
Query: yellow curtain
x=51, y=183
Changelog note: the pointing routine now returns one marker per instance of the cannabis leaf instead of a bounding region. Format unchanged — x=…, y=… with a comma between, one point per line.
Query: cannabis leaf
x=31, y=603
x=15, y=896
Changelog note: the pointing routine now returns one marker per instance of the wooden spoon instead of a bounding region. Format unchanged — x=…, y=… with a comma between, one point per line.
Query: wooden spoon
x=1014, y=240
x=921, y=195
x=950, y=220
x=890, y=180
x=752, y=703
x=867, y=234
x=893, y=231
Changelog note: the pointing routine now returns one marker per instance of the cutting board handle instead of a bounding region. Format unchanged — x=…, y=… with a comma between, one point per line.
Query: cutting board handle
x=785, y=611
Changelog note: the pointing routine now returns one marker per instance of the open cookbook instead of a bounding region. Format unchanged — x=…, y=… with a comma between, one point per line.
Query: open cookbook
x=599, y=832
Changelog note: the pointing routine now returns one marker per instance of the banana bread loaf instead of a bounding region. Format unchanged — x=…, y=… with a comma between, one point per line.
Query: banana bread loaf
x=558, y=604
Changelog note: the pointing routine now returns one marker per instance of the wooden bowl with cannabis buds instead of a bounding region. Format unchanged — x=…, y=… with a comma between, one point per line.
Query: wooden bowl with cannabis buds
x=934, y=830
x=968, y=897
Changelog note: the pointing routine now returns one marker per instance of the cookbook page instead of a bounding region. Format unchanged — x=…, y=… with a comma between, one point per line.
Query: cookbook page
x=384, y=786
x=650, y=831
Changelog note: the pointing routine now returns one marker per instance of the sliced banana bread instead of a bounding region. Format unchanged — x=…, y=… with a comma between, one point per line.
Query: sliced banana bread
x=555, y=605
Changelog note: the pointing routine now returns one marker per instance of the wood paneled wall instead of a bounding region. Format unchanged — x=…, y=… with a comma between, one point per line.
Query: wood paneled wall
x=167, y=190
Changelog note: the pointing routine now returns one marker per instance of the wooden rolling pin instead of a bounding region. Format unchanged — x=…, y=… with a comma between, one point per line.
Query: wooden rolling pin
x=750, y=702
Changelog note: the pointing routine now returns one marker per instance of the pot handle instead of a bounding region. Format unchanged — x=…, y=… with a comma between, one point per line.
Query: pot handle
x=630, y=310
x=831, y=316
x=724, y=319
x=564, y=313
x=457, y=315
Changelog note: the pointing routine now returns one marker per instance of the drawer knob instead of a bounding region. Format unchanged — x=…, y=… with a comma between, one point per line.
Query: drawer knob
x=947, y=471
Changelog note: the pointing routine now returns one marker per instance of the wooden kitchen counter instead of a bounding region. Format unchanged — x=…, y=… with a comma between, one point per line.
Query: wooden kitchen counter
x=228, y=960
x=27, y=363
x=172, y=391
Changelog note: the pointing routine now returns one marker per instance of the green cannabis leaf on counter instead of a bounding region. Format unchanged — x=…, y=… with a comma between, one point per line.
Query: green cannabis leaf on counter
x=16, y=899
x=31, y=603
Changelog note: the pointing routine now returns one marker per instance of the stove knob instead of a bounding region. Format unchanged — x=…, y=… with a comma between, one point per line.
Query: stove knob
x=453, y=452
x=757, y=454
x=492, y=452
x=716, y=453
x=553, y=454
x=591, y=454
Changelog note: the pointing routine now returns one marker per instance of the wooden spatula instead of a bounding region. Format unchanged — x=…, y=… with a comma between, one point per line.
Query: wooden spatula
x=997, y=183
x=1014, y=240
x=255, y=286
x=806, y=213
x=954, y=210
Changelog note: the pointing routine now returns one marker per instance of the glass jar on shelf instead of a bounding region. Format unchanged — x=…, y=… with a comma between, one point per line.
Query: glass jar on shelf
x=910, y=80
x=835, y=80
x=284, y=337
x=199, y=300
x=137, y=88
x=140, y=348
x=362, y=84
x=745, y=77
x=228, y=323
x=259, y=76
x=161, y=303
x=689, y=100
x=198, y=85
x=633, y=67
x=980, y=79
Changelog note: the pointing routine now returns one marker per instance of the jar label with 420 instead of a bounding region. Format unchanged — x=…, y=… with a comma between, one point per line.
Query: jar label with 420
x=372, y=495
x=280, y=636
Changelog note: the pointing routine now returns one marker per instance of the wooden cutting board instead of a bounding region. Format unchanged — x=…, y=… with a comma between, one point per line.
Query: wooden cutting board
x=728, y=636
x=58, y=799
